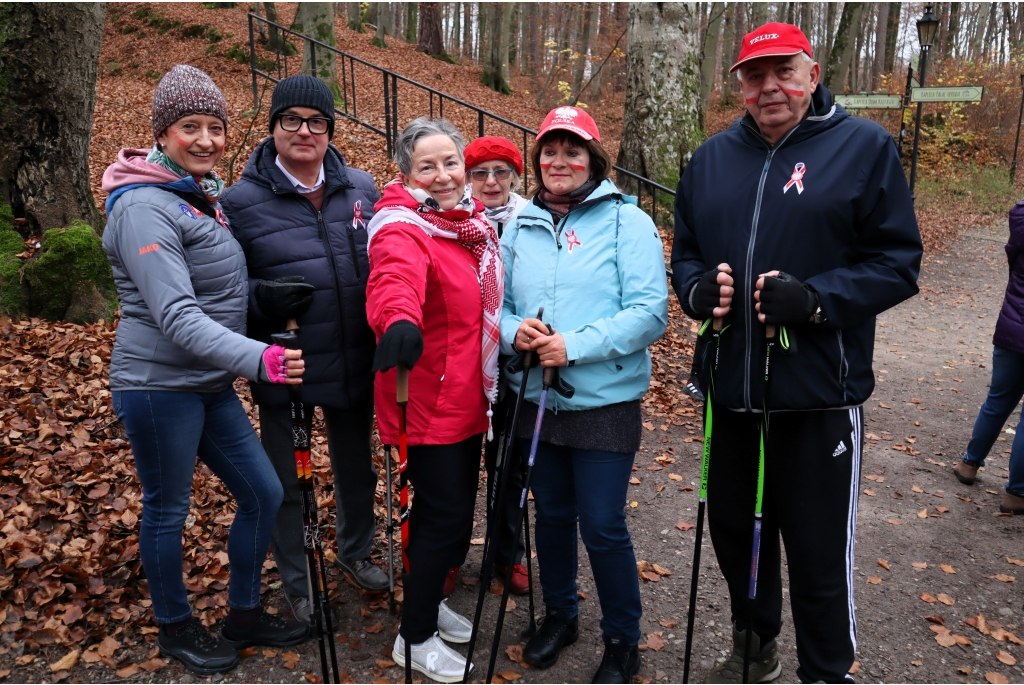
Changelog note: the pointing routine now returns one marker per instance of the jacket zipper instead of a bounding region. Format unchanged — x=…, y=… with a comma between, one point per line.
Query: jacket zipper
x=747, y=286
x=844, y=366
x=355, y=254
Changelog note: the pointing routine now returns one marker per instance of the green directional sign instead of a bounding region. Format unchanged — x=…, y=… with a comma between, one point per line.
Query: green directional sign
x=869, y=101
x=947, y=94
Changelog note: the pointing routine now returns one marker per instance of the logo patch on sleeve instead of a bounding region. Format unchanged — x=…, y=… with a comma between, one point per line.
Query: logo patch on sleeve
x=149, y=248
x=189, y=211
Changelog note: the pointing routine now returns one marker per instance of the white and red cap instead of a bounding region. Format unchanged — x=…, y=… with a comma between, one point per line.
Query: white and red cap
x=774, y=39
x=572, y=119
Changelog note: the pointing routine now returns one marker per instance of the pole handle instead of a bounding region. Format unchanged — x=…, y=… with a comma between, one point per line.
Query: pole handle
x=716, y=324
x=402, y=384
x=292, y=325
x=769, y=331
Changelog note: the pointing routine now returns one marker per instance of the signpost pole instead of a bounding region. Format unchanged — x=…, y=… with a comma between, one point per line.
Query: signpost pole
x=903, y=118
x=917, y=121
x=1016, y=142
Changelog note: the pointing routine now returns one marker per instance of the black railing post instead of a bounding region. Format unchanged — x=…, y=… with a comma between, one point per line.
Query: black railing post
x=480, y=122
x=526, y=167
x=252, y=63
x=344, y=85
x=394, y=109
x=387, y=115
x=352, y=64
x=312, y=58
x=440, y=106
x=431, y=104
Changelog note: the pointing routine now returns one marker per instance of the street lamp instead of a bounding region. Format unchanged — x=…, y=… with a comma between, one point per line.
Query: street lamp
x=927, y=27
x=1013, y=165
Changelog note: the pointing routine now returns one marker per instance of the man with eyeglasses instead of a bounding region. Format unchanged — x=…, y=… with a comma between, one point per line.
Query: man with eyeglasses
x=300, y=214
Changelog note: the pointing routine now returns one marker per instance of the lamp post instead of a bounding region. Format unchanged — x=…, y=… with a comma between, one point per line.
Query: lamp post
x=927, y=26
x=1013, y=165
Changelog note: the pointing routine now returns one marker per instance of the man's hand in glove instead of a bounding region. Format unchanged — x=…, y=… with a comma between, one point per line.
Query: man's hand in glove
x=288, y=297
x=712, y=296
x=782, y=299
x=402, y=343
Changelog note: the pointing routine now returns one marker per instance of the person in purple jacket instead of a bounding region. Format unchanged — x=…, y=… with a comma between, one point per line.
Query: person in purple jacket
x=1007, y=386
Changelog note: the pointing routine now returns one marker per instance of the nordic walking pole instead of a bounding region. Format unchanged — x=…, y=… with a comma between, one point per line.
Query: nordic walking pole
x=301, y=428
x=548, y=380
x=390, y=532
x=716, y=332
x=497, y=507
x=402, y=399
x=770, y=331
x=531, y=629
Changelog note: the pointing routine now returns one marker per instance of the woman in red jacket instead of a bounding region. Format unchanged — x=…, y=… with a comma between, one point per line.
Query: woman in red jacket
x=434, y=300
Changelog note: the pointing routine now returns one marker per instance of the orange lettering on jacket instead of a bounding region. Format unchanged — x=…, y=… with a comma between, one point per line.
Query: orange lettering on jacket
x=149, y=248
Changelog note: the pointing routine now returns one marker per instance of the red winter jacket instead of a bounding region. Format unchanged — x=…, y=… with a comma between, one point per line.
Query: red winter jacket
x=433, y=283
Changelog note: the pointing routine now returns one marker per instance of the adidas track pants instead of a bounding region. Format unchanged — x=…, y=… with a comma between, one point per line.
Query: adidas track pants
x=811, y=483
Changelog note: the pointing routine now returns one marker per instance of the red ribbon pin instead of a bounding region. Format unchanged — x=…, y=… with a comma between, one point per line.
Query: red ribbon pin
x=796, y=179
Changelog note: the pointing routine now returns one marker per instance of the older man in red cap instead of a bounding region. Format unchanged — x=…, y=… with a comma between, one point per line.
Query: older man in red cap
x=797, y=217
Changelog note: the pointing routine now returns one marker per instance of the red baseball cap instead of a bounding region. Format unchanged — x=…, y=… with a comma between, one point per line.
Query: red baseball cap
x=490, y=148
x=572, y=119
x=772, y=40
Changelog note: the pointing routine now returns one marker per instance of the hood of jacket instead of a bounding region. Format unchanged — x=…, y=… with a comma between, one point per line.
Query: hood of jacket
x=605, y=191
x=262, y=169
x=395, y=195
x=131, y=170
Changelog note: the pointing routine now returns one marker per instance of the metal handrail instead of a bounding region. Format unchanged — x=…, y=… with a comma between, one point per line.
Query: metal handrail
x=390, y=92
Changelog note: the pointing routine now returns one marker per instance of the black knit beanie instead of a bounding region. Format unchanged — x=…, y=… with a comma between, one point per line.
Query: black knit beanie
x=302, y=90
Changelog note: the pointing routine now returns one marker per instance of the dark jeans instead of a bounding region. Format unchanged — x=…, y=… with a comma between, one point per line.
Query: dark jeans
x=811, y=484
x=355, y=485
x=1003, y=396
x=444, y=480
x=167, y=430
x=588, y=487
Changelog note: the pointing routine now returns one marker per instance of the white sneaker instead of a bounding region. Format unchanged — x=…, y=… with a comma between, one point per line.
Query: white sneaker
x=432, y=658
x=451, y=626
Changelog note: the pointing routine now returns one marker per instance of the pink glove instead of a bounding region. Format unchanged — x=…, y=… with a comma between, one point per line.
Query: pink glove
x=273, y=363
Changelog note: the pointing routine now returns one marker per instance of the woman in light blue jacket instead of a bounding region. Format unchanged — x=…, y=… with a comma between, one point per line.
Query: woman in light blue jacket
x=594, y=261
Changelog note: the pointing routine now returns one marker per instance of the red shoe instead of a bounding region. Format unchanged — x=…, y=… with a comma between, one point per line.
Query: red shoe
x=449, y=582
x=520, y=581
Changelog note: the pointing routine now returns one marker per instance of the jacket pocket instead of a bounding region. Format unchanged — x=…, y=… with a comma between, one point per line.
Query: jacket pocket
x=844, y=366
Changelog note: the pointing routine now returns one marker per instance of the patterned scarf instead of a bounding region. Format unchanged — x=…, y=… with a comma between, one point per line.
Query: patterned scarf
x=211, y=184
x=504, y=213
x=560, y=205
x=477, y=236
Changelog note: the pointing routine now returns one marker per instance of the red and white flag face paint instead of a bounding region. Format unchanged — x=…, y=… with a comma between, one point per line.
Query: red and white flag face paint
x=797, y=179
x=571, y=240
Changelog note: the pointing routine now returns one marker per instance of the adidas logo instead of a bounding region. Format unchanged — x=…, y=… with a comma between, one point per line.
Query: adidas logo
x=840, y=449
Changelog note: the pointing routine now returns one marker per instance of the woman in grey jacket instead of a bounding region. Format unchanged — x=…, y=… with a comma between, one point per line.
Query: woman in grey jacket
x=181, y=343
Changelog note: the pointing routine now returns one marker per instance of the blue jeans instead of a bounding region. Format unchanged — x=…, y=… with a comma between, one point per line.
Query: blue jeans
x=167, y=430
x=588, y=487
x=1003, y=396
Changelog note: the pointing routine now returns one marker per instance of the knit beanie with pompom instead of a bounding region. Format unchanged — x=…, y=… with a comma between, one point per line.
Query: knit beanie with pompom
x=185, y=90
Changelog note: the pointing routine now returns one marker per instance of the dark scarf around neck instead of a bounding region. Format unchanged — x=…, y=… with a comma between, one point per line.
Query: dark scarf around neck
x=560, y=205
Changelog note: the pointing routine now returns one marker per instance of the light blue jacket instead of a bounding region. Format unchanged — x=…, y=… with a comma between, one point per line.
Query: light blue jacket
x=600, y=276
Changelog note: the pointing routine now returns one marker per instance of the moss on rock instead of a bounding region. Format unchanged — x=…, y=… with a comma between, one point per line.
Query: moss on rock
x=71, y=277
x=13, y=293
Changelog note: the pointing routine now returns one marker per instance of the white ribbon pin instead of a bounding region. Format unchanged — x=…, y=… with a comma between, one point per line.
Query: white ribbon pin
x=796, y=179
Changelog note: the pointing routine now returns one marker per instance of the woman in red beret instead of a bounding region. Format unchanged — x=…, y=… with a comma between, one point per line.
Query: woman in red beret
x=495, y=169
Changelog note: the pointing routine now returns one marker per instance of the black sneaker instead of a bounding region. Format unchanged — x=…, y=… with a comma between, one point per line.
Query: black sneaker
x=197, y=649
x=620, y=663
x=555, y=632
x=366, y=574
x=267, y=631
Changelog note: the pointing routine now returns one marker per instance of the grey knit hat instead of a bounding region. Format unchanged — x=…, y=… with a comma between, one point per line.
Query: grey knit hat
x=302, y=90
x=186, y=90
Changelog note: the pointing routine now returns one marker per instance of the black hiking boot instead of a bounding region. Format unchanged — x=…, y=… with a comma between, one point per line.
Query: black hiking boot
x=266, y=631
x=620, y=663
x=555, y=632
x=197, y=649
x=764, y=661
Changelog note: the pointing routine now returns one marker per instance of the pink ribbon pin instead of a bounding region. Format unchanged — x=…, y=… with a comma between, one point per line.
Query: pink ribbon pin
x=796, y=179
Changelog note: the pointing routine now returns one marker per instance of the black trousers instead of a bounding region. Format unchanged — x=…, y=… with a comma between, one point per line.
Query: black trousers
x=811, y=483
x=509, y=549
x=444, y=481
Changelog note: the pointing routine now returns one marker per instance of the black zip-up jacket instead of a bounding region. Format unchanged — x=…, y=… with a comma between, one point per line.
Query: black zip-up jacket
x=282, y=234
x=851, y=235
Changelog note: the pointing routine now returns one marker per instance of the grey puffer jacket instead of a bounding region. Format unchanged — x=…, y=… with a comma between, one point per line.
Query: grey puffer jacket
x=183, y=287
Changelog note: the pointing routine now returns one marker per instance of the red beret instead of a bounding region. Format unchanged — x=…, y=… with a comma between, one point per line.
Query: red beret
x=489, y=148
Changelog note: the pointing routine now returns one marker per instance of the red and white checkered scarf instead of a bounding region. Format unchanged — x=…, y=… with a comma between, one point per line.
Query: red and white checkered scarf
x=477, y=236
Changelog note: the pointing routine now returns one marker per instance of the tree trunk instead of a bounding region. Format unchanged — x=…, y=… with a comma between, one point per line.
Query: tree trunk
x=431, y=39
x=467, y=29
x=892, y=30
x=661, y=124
x=807, y=18
x=881, y=26
x=46, y=125
x=588, y=17
x=495, y=74
x=709, y=56
x=977, y=45
x=730, y=52
x=728, y=36
x=316, y=20
x=354, y=12
x=842, y=47
x=759, y=15
x=260, y=26
x=953, y=34
x=859, y=27
x=826, y=47
x=528, y=49
x=411, y=19
x=275, y=41
x=990, y=31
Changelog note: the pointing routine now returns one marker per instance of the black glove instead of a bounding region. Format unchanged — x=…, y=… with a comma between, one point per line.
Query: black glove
x=402, y=343
x=707, y=295
x=785, y=300
x=288, y=297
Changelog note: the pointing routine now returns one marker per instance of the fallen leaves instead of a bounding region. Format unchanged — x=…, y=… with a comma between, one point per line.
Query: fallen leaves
x=375, y=628
x=509, y=675
x=946, y=599
x=1015, y=562
x=945, y=639
x=675, y=476
x=660, y=570
x=919, y=564
x=877, y=479
x=655, y=641
x=874, y=580
x=923, y=514
x=668, y=623
x=895, y=522
x=67, y=662
x=291, y=659
x=128, y=671
x=684, y=526
x=947, y=568
x=884, y=564
x=1006, y=658
x=515, y=654
x=996, y=678
x=855, y=668
x=926, y=597
x=1003, y=577
x=869, y=493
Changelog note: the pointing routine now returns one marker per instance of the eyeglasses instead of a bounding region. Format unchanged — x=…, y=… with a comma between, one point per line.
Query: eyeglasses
x=292, y=123
x=480, y=175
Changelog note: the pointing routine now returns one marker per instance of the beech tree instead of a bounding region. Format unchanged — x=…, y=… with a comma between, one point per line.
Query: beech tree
x=495, y=75
x=431, y=31
x=49, y=67
x=661, y=124
x=316, y=20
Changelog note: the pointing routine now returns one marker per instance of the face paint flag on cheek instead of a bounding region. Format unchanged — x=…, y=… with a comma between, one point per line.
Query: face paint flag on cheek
x=796, y=179
x=546, y=166
x=577, y=167
x=794, y=92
